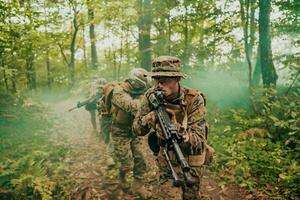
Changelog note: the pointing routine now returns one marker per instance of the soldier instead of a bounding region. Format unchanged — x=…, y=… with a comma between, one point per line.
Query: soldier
x=125, y=101
x=94, y=90
x=104, y=113
x=186, y=108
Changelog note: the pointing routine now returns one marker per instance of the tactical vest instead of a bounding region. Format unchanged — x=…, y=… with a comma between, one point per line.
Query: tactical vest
x=105, y=103
x=120, y=117
x=195, y=159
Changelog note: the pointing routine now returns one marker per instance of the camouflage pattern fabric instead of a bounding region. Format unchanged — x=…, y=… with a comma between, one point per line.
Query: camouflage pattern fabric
x=125, y=147
x=189, y=109
x=105, y=128
x=94, y=89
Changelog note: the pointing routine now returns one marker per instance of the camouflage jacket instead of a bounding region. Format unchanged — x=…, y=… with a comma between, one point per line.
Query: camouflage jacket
x=124, y=105
x=189, y=110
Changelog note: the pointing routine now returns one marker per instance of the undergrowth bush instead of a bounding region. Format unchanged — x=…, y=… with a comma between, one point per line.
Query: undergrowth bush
x=260, y=150
x=31, y=166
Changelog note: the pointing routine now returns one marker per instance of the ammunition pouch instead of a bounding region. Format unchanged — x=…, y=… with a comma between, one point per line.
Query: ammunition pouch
x=119, y=116
x=203, y=159
x=196, y=160
x=209, y=154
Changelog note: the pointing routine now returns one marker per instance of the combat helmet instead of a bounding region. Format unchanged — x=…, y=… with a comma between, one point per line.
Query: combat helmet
x=166, y=66
x=102, y=81
x=137, y=78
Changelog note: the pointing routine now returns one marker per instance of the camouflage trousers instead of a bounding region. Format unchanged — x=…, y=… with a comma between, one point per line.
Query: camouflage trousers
x=93, y=118
x=127, y=151
x=105, y=128
x=166, y=190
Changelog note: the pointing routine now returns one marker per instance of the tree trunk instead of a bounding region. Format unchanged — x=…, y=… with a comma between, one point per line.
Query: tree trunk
x=115, y=65
x=245, y=24
x=252, y=28
x=91, y=17
x=201, y=46
x=185, y=57
x=85, y=62
x=5, y=80
x=72, y=49
x=144, y=25
x=269, y=75
x=169, y=29
x=4, y=72
x=214, y=51
x=257, y=71
x=121, y=57
x=49, y=74
x=30, y=71
x=13, y=82
x=13, y=75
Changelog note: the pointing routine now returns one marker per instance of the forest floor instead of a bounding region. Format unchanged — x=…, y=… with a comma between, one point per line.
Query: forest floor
x=90, y=175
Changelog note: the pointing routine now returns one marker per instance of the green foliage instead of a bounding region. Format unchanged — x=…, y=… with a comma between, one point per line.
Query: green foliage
x=31, y=167
x=260, y=150
x=280, y=114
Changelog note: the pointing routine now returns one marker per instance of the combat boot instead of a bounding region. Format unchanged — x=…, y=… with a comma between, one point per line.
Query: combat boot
x=140, y=189
x=124, y=183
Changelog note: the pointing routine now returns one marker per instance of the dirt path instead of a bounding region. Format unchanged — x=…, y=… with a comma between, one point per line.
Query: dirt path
x=90, y=177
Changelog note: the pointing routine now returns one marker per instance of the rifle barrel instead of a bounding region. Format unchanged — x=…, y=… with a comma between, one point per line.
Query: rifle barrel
x=177, y=182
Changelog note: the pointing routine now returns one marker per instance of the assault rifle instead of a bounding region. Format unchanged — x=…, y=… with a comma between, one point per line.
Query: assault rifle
x=171, y=139
x=91, y=101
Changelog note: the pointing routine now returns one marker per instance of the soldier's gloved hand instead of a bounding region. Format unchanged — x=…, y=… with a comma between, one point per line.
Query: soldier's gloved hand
x=174, y=121
x=159, y=132
x=181, y=130
x=150, y=120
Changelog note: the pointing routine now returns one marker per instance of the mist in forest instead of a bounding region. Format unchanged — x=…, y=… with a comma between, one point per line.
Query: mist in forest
x=220, y=87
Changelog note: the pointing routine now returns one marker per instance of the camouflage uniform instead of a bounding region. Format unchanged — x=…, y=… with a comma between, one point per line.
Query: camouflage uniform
x=126, y=147
x=189, y=110
x=95, y=88
x=104, y=120
x=124, y=144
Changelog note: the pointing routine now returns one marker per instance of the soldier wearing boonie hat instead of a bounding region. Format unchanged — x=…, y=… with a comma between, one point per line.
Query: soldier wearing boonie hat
x=168, y=66
x=186, y=108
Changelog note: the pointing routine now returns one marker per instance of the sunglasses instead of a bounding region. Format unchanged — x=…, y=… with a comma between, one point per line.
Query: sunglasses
x=163, y=79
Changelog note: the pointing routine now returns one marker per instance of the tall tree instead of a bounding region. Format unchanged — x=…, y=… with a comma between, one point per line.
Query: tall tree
x=247, y=11
x=30, y=47
x=73, y=41
x=30, y=70
x=269, y=75
x=257, y=70
x=185, y=56
x=73, y=4
x=144, y=26
x=91, y=17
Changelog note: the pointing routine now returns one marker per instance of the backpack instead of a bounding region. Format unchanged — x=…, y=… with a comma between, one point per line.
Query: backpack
x=107, y=95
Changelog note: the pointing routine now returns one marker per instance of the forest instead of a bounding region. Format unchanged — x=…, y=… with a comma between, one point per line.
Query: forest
x=244, y=55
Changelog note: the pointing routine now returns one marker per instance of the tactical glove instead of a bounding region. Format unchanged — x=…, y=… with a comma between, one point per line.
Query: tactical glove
x=149, y=120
